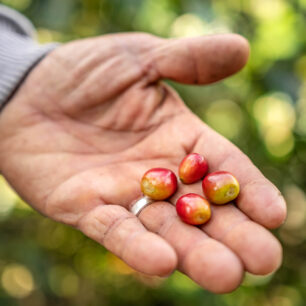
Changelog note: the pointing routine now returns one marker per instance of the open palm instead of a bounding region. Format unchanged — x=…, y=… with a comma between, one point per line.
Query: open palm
x=93, y=116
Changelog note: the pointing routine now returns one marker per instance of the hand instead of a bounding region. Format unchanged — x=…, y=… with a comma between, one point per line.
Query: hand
x=93, y=116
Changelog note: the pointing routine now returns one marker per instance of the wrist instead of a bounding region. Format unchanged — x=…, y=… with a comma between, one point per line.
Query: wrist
x=18, y=55
x=12, y=122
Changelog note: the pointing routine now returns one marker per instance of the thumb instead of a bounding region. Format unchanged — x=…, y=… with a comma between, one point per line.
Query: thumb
x=199, y=60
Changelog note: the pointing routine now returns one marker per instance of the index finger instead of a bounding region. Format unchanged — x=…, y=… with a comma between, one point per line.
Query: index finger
x=259, y=198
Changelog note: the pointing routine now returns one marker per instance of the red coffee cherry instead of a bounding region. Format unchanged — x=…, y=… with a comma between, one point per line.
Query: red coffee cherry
x=192, y=168
x=193, y=209
x=159, y=183
x=220, y=187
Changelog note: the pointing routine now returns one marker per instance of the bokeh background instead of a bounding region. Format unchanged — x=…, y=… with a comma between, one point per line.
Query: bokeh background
x=262, y=110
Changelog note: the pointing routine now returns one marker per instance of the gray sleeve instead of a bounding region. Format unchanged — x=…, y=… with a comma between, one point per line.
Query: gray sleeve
x=18, y=51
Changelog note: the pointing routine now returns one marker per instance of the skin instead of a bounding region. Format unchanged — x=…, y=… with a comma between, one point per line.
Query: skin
x=220, y=187
x=192, y=168
x=93, y=116
x=193, y=209
x=159, y=183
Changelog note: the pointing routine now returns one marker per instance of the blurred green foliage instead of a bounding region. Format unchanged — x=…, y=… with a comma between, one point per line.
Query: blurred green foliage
x=262, y=110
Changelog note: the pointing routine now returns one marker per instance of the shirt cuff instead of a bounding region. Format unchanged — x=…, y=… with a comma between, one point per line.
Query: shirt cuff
x=19, y=53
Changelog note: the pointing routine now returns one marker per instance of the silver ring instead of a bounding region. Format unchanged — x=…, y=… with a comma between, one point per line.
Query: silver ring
x=140, y=204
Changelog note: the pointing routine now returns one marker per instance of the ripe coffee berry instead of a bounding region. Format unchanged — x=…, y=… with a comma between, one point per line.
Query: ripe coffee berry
x=220, y=187
x=192, y=168
x=159, y=183
x=193, y=209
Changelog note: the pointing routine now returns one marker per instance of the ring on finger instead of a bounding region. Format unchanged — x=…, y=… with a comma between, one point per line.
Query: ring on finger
x=140, y=204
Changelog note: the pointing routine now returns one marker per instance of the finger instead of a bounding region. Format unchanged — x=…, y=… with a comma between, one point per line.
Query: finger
x=122, y=234
x=258, y=249
x=199, y=60
x=259, y=198
x=208, y=262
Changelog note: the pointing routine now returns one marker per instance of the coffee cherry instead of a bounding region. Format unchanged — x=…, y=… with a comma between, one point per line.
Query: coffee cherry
x=159, y=183
x=192, y=168
x=220, y=187
x=193, y=209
